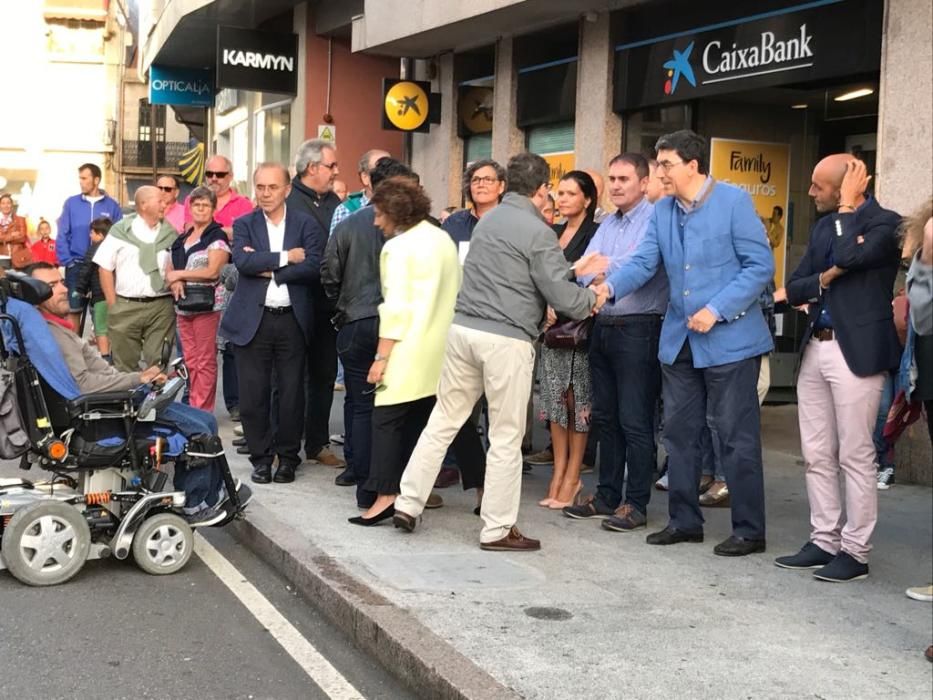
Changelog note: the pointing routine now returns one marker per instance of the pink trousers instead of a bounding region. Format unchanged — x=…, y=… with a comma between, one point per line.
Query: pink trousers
x=837, y=410
x=199, y=344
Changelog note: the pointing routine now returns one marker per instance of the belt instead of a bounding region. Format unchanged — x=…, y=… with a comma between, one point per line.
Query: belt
x=143, y=300
x=613, y=320
x=277, y=310
x=824, y=334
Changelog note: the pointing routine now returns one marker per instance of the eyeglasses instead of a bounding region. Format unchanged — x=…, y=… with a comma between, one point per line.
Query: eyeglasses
x=484, y=180
x=666, y=165
x=329, y=166
x=375, y=388
x=166, y=189
x=219, y=174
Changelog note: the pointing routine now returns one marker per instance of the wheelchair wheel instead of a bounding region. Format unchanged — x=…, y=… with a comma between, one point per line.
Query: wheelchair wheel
x=163, y=544
x=46, y=543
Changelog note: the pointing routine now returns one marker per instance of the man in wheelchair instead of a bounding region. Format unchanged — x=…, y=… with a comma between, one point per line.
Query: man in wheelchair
x=204, y=487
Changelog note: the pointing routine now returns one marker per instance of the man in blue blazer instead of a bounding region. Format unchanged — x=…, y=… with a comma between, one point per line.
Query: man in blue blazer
x=717, y=258
x=277, y=253
x=846, y=278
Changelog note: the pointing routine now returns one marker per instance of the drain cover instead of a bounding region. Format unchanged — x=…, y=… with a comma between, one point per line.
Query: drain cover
x=548, y=613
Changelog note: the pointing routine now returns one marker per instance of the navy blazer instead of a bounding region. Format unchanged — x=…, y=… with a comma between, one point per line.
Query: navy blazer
x=865, y=243
x=241, y=320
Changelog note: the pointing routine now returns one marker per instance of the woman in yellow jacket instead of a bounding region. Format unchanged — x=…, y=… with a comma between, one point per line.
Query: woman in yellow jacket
x=420, y=274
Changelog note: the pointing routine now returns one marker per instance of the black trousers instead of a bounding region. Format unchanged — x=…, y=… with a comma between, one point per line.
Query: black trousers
x=726, y=398
x=278, y=345
x=396, y=430
x=319, y=381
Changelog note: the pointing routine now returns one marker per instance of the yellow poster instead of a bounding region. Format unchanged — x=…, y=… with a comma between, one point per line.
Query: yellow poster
x=560, y=164
x=761, y=169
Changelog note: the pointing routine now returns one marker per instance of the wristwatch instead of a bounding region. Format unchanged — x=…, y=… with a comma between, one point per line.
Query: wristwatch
x=380, y=358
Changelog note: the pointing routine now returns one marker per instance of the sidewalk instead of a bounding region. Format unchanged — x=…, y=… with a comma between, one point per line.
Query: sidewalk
x=600, y=614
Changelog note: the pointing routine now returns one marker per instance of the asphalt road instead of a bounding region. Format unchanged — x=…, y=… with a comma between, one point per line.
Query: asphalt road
x=116, y=632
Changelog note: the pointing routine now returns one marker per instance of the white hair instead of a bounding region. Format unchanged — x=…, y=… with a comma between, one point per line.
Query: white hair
x=309, y=153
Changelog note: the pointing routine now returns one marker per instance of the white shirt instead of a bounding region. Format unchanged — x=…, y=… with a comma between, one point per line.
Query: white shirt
x=276, y=294
x=122, y=259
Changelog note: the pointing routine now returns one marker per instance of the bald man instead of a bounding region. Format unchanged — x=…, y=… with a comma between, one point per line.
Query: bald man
x=846, y=278
x=132, y=261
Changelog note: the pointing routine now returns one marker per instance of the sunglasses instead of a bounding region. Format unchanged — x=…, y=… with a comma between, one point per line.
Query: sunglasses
x=375, y=388
x=166, y=189
x=219, y=174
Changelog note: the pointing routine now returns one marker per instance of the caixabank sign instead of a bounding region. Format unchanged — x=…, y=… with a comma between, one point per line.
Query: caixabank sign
x=790, y=45
x=261, y=61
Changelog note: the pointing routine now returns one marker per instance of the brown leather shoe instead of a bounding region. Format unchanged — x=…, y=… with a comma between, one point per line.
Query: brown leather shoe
x=706, y=481
x=404, y=521
x=434, y=501
x=512, y=542
x=328, y=459
x=716, y=496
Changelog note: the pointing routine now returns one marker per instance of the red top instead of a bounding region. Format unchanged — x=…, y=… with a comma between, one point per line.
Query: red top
x=52, y=318
x=236, y=206
x=44, y=251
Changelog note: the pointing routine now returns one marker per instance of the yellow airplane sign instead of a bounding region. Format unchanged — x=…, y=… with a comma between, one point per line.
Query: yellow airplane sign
x=407, y=105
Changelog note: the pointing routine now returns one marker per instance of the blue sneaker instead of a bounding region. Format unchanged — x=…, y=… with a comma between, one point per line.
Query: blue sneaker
x=842, y=569
x=809, y=557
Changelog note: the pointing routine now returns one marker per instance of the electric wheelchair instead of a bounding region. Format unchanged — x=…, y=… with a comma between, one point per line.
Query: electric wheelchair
x=107, y=456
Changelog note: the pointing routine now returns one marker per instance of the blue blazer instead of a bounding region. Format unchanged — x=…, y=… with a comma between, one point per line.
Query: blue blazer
x=241, y=320
x=865, y=244
x=721, y=260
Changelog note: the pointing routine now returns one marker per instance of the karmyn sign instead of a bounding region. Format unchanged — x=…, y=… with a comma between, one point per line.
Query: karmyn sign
x=252, y=60
x=180, y=86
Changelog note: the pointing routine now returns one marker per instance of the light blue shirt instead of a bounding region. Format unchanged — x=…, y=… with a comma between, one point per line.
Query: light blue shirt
x=343, y=211
x=617, y=237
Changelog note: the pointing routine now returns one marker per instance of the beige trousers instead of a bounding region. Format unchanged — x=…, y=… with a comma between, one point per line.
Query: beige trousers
x=477, y=362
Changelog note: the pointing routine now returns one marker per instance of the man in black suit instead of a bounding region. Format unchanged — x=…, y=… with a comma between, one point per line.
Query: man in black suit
x=846, y=278
x=277, y=252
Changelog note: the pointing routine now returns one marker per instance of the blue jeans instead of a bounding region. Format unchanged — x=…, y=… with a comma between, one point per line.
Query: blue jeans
x=231, y=383
x=626, y=384
x=356, y=345
x=202, y=486
x=881, y=446
x=189, y=420
x=75, y=303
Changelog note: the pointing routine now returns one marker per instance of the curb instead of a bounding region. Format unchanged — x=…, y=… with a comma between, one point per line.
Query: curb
x=427, y=664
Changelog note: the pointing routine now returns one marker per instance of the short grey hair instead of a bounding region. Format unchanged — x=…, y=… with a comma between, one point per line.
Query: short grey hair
x=272, y=165
x=363, y=166
x=225, y=159
x=202, y=192
x=311, y=152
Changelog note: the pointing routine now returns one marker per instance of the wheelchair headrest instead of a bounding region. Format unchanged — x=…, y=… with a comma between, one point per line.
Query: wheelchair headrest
x=25, y=288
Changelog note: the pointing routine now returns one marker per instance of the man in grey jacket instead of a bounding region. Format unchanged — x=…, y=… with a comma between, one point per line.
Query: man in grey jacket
x=514, y=269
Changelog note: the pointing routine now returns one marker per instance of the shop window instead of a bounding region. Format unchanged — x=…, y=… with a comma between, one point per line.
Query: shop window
x=547, y=75
x=477, y=147
x=554, y=142
x=273, y=133
x=643, y=129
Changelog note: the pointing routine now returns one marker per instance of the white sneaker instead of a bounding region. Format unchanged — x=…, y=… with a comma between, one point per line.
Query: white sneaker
x=337, y=439
x=238, y=430
x=661, y=484
x=885, y=478
x=924, y=593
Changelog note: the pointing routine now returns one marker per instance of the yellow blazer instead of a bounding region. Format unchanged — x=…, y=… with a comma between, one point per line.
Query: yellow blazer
x=420, y=273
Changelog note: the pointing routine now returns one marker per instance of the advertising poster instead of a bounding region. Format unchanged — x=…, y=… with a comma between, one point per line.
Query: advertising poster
x=761, y=169
x=560, y=164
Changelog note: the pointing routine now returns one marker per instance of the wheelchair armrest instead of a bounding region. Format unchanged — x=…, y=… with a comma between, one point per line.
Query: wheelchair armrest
x=104, y=399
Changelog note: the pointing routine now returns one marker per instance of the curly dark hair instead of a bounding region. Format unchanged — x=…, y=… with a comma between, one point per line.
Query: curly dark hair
x=402, y=201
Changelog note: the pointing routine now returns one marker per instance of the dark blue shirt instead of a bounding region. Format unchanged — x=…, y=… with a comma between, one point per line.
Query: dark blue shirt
x=460, y=225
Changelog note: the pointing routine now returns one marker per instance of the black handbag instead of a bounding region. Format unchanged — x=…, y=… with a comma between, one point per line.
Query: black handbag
x=569, y=335
x=198, y=298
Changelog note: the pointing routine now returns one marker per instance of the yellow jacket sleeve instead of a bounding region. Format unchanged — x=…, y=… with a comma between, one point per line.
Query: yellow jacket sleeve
x=395, y=312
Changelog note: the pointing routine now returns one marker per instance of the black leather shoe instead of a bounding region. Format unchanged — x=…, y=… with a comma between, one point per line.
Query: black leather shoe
x=375, y=520
x=671, y=535
x=238, y=442
x=262, y=474
x=345, y=478
x=242, y=450
x=738, y=547
x=285, y=474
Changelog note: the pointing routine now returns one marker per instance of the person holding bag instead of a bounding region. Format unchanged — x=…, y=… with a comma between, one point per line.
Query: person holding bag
x=565, y=369
x=197, y=258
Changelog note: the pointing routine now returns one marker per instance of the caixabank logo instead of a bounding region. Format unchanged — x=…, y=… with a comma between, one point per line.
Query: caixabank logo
x=677, y=66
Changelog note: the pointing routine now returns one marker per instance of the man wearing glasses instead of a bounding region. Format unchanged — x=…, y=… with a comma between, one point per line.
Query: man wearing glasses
x=717, y=259
x=218, y=175
x=174, y=211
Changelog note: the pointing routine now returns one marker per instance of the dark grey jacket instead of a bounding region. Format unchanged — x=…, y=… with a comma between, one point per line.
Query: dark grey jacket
x=350, y=271
x=513, y=271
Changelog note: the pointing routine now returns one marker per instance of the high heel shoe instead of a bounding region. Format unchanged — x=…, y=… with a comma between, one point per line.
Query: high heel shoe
x=375, y=520
x=558, y=505
x=545, y=502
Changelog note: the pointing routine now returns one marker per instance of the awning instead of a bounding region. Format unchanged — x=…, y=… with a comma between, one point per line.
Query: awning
x=87, y=10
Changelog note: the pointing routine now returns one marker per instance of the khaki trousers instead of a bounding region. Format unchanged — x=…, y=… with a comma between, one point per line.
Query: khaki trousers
x=477, y=362
x=837, y=412
x=138, y=328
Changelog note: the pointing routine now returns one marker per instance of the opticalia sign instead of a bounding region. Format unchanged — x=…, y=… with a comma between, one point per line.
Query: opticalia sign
x=789, y=45
x=180, y=86
x=254, y=60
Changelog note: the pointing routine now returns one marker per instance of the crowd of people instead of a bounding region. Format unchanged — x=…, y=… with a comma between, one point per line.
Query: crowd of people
x=650, y=325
